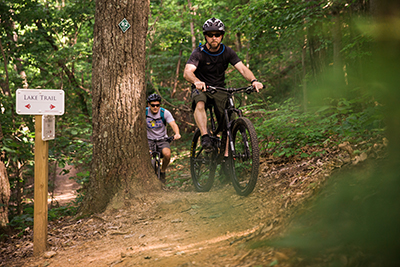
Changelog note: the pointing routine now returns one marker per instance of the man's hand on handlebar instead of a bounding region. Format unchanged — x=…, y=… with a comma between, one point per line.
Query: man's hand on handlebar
x=177, y=136
x=200, y=85
x=257, y=86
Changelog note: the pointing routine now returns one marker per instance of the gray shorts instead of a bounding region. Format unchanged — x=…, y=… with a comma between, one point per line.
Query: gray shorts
x=160, y=145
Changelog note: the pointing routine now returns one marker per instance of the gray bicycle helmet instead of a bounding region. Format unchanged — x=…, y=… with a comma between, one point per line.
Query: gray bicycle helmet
x=153, y=98
x=212, y=25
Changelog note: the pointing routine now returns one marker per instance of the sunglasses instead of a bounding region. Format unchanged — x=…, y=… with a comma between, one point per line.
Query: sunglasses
x=213, y=34
x=155, y=105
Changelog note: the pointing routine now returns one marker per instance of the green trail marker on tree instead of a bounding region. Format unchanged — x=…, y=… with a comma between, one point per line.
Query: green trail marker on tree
x=124, y=25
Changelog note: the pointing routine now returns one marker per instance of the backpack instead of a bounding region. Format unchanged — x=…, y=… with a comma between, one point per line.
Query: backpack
x=162, y=110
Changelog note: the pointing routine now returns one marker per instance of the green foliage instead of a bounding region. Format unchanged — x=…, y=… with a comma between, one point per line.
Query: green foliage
x=17, y=145
x=61, y=36
x=285, y=130
x=22, y=222
x=60, y=212
x=46, y=44
x=355, y=216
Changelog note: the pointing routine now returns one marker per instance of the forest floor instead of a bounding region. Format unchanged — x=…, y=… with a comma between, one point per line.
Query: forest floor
x=180, y=227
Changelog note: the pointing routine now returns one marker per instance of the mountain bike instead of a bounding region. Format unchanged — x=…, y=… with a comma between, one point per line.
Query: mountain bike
x=156, y=155
x=243, y=161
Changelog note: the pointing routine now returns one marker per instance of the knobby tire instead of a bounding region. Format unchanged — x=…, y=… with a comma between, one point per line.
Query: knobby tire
x=245, y=165
x=202, y=165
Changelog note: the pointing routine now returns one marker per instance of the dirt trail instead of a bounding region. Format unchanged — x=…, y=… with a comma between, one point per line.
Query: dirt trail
x=64, y=187
x=166, y=229
x=180, y=227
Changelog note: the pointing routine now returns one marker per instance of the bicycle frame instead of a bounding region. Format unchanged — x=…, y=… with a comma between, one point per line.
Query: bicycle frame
x=230, y=108
x=155, y=154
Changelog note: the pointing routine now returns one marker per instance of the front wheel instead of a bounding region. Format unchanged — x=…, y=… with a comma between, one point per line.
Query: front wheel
x=246, y=161
x=202, y=164
x=157, y=166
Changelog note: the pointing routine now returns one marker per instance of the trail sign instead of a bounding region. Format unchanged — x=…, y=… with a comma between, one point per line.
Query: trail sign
x=40, y=102
x=48, y=127
x=44, y=104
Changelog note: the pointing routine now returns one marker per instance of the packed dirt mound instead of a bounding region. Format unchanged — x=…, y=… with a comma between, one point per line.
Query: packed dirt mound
x=180, y=227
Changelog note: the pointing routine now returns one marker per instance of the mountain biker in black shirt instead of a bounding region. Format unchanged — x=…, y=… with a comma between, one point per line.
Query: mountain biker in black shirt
x=206, y=66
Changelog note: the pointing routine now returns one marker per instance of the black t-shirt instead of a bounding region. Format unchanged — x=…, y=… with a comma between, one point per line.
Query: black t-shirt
x=211, y=66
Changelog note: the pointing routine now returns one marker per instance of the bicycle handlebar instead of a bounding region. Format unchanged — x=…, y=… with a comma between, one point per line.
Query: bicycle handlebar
x=247, y=89
x=169, y=139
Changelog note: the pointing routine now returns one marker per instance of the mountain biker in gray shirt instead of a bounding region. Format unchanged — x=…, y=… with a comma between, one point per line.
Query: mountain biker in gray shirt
x=156, y=129
x=206, y=66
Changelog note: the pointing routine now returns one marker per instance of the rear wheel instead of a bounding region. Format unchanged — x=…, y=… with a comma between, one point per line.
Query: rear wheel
x=202, y=164
x=244, y=165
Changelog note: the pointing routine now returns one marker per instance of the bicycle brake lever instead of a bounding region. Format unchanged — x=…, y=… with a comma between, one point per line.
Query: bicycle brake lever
x=250, y=90
x=211, y=89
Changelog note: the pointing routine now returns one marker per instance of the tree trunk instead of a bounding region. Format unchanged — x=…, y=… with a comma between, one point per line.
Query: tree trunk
x=4, y=195
x=6, y=86
x=238, y=42
x=193, y=12
x=337, y=45
x=120, y=164
x=178, y=67
x=4, y=190
x=303, y=65
x=374, y=8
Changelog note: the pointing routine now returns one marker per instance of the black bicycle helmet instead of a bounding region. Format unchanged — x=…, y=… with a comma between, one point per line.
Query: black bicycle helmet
x=153, y=98
x=213, y=25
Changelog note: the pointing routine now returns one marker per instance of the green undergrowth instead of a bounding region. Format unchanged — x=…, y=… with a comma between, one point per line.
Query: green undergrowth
x=178, y=173
x=23, y=223
x=284, y=130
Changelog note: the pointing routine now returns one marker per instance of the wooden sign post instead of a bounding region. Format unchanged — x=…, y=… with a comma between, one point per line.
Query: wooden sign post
x=40, y=190
x=41, y=103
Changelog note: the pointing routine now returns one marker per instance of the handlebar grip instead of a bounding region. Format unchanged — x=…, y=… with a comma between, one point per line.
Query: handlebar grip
x=253, y=89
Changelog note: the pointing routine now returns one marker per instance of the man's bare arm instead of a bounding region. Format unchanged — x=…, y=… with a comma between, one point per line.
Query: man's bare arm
x=248, y=75
x=175, y=128
x=189, y=75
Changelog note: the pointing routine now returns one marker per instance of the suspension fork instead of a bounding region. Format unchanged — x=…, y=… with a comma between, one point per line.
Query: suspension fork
x=229, y=124
x=229, y=133
x=231, y=108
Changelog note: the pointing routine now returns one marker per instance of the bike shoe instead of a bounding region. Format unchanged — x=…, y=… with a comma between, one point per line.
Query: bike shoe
x=162, y=177
x=206, y=143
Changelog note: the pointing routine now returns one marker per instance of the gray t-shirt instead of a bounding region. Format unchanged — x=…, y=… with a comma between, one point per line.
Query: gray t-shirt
x=155, y=126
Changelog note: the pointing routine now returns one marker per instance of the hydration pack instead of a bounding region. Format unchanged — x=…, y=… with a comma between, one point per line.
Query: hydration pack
x=162, y=110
